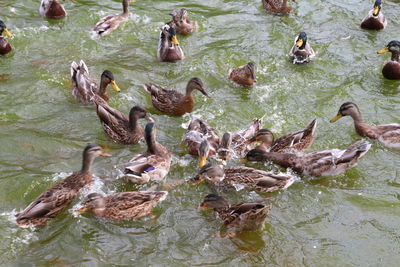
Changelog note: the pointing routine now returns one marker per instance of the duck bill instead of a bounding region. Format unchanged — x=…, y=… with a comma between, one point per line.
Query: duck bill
x=82, y=210
x=6, y=32
x=384, y=50
x=174, y=40
x=251, y=140
x=149, y=119
x=243, y=160
x=203, y=206
x=299, y=43
x=115, y=86
x=375, y=11
x=104, y=154
x=337, y=117
x=204, y=92
x=195, y=180
x=202, y=161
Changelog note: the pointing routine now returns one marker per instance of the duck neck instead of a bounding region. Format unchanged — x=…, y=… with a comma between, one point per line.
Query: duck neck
x=356, y=117
x=151, y=143
x=284, y=4
x=103, y=86
x=395, y=56
x=133, y=123
x=285, y=160
x=189, y=91
x=125, y=7
x=87, y=164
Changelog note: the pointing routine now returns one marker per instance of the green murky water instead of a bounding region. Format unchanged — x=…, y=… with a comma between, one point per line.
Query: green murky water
x=348, y=220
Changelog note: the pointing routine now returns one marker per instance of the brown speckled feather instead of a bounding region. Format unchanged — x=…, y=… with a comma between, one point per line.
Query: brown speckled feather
x=197, y=131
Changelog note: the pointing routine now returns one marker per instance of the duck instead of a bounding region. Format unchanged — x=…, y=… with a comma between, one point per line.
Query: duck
x=292, y=142
x=391, y=70
x=5, y=47
x=200, y=131
x=109, y=23
x=172, y=102
x=120, y=128
x=241, y=217
x=169, y=49
x=181, y=22
x=85, y=89
x=59, y=196
x=52, y=9
x=236, y=144
x=386, y=134
x=320, y=163
x=243, y=75
x=277, y=6
x=151, y=165
x=240, y=177
x=124, y=205
x=301, y=51
x=374, y=20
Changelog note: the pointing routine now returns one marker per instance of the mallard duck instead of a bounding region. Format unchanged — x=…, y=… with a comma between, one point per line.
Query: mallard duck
x=277, y=6
x=301, y=51
x=181, y=22
x=85, y=89
x=172, y=102
x=239, y=217
x=109, y=23
x=243, y=177
x=5, y=47
x=169, y=49
x=374, y=20
x=236, y=143
x=198, y=131
x=152, y=165
x=52, y=9
x=296, y=141
x=57, y=197
x=321, y=163
x=387, y=134
x=125, y=205
x=391, y=70
x=121, y=128
x=243, y=75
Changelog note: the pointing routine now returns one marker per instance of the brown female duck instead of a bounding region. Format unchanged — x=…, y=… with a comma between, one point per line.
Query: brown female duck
x=297, y=141
x=5, y=47
x=169, y=49
x=243, y=177
x=151, y=165
x=125, y=205
x=240, y=217
x=181, y=22
x=121, y=128
x=387, y=134
x=321, y=163
x=85, y=89
x=58, y=197
x=243, y=75
x=375, y=20
x=52, y=9
x=277, y=6
x=391, y=70
x=172, y=102
x=109, y=23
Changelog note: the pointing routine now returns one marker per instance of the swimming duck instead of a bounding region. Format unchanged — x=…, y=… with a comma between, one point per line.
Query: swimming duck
x=172, y=102
x=297, y=141
x=151, y=165
x=387, y=134
x=181, y=22
x=85, y=89
x=375, y=20
x=320, y=163
x=301, y=51
x=197, y=132
x=5, y=47
x=121, y=128
x=169, y=49
x=56, y=198
x=236, y=143
x=277, y=6
x=391, y=70
x=243, y=177
x=52, y=9
x=125, y=205
x=243, y=75
x=109, y=23
x=239, y=217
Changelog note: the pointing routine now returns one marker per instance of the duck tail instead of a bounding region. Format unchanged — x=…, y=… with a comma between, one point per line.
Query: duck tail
x=355, y=151
x=74, y=69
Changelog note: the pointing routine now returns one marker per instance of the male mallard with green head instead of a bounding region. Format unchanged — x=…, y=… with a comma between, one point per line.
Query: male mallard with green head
x=52, y=9
x=375, y=20
x=301, y=51
x=387, y=134
x=391, y=70
x=5, y=47
x=169, y=49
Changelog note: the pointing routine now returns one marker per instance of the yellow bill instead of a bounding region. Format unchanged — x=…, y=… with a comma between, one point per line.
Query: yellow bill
x=202, y=161
x=174, y=40
x=243, y=160
x=299, y=43
x=338, y=116
x=82, y=210
x=115, y=86
x=375, y=12
x=103, y=154
x=6, y=32
x=384, y=50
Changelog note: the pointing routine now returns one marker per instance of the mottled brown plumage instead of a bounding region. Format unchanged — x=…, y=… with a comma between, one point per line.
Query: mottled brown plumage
x=387, y=134
x=125, y=205
x=198, y=131
x=181, y=22
x=172, y=102
x=243, y=75
x=109, y=23
x=52, y=9
x=60, y=195
x=391, y=70
x=277, y=6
